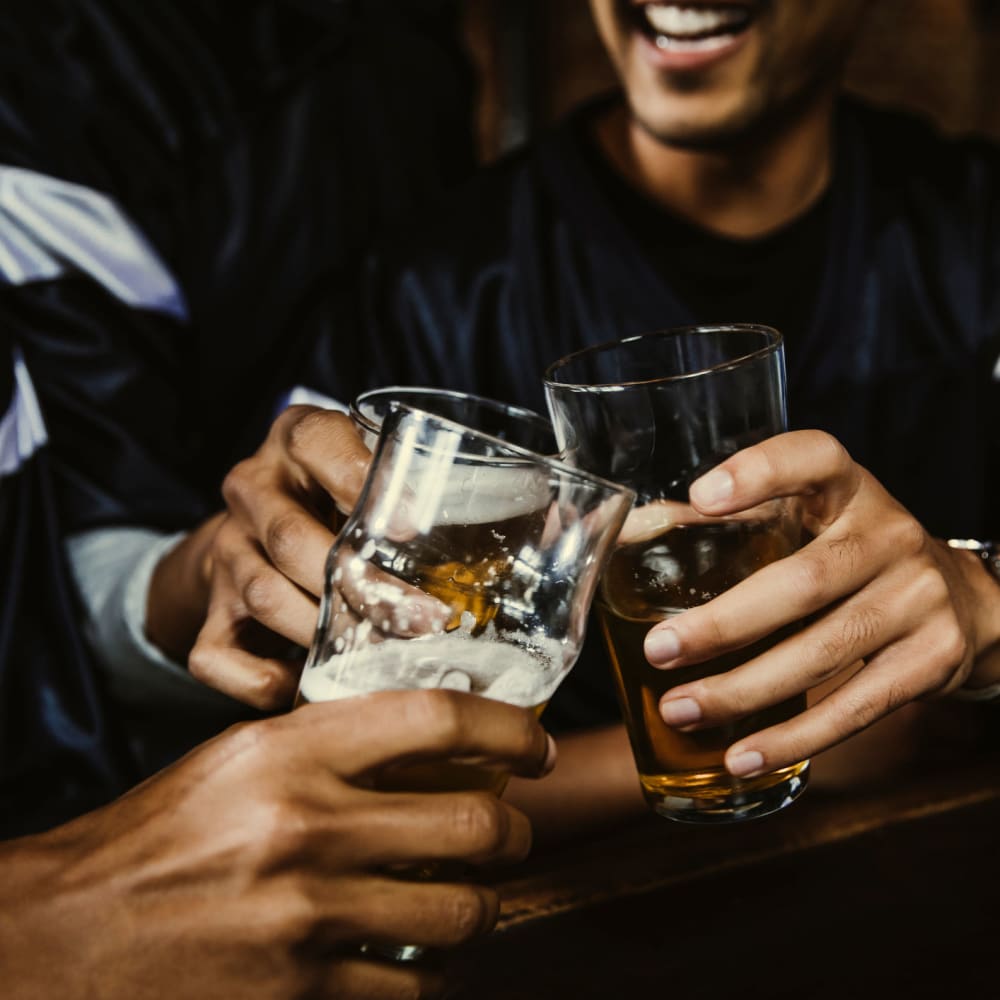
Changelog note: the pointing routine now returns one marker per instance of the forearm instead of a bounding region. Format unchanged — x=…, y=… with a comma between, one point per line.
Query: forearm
x=39, y=931
x=593, y=786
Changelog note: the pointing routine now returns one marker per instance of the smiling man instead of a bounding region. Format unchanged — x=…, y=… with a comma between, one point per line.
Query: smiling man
x=728, y=110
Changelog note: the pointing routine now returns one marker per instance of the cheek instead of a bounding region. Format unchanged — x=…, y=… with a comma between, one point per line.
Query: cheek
x=806, y=43
x=610, y=30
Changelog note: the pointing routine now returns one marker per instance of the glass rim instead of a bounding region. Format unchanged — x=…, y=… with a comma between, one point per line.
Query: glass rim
x=557, y=464
x=773, y=343
x=521, y=412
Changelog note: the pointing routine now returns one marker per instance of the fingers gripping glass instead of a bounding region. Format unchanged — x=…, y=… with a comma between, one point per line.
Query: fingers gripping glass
x=656, y=412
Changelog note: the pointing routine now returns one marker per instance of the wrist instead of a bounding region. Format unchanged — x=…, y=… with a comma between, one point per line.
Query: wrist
x=979, y=563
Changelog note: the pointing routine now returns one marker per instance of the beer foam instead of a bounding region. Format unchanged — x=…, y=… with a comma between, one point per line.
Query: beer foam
x=479, y=493
x=491, y=667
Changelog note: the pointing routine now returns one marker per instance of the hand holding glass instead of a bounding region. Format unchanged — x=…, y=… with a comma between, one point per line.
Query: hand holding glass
x=469, y=564
x=656, y=412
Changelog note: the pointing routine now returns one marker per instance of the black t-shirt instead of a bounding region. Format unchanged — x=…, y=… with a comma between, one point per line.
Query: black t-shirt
x=772, y=279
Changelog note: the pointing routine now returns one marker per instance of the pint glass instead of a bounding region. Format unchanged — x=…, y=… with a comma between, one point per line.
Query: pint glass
x=656, y=412
x=468, y=563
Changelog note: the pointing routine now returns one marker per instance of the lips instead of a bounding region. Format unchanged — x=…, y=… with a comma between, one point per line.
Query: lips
x=690, y=35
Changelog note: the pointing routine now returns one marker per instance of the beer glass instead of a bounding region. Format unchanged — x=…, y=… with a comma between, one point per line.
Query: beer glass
x=468, y=563
x=511, y=423
x=656, y=412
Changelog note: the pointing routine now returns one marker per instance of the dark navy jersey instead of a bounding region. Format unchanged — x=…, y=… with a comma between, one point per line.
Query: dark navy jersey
x=60, y=750
x=174, y=174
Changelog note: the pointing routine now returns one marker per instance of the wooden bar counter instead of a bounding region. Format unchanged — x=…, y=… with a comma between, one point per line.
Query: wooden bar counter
x=888, y=889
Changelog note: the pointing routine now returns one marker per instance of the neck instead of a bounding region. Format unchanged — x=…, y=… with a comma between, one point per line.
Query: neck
x=744, y=190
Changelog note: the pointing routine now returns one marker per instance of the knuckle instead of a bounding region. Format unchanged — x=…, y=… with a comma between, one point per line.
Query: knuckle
x=860, y=631
x=707, y=626
x=481, y=823
x=249, y=741
x=201, y=661
x=438, y=714
x=862, y=710
x=950, y=649
x=260, y=595
x=955, y=646
x=238, y=482
x=857, y=713
x=228, y=542
x=813, y=573
x=907, y=536
x=929, y=588
x=471, y=912
x=529, y=738
x=754, y=464
x=297, y=914
x=284, y=537
x=304, y=425
x=283, y=833
x=826, y=658
x=847, y=551
x=832, y=453
x=268, y=687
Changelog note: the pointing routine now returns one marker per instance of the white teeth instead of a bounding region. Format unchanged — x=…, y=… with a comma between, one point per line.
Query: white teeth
x=693, y=44
x=679, y=21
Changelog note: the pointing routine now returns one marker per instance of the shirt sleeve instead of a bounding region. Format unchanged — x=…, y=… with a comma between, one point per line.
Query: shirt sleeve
x=113, y=568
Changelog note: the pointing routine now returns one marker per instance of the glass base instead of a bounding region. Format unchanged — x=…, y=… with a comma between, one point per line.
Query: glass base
x=737, y=801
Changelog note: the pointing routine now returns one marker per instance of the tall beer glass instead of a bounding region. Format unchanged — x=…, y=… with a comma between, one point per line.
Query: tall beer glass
x=656, y=412
x=468, y=563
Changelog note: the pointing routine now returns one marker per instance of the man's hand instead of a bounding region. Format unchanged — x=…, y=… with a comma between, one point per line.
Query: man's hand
x=256, y=865
x=256, y=571
x=919, y=616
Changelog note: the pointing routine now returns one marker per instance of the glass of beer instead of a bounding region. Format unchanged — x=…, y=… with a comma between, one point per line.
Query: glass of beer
x=656, y=412
x=468, y=563
x=516, y=424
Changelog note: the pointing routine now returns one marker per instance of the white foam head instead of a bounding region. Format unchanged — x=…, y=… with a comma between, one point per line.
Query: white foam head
x=478, y=493
x=491, y=667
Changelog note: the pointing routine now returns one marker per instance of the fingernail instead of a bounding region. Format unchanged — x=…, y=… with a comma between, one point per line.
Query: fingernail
x=713, y=488
x=680, y=711
x=662, y=646
x=745, y=763
x=551, y=755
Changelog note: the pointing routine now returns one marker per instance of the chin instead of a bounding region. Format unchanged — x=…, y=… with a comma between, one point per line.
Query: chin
x=698, y=131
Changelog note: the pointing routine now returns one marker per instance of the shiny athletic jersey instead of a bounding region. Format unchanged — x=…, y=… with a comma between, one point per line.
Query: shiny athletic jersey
x=174, y=174
x=60, y=751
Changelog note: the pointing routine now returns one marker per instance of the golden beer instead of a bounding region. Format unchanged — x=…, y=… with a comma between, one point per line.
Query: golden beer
x=468, y=566
x=682, y=773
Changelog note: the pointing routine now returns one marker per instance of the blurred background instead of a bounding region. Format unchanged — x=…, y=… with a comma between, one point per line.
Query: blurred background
x=535, y=59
